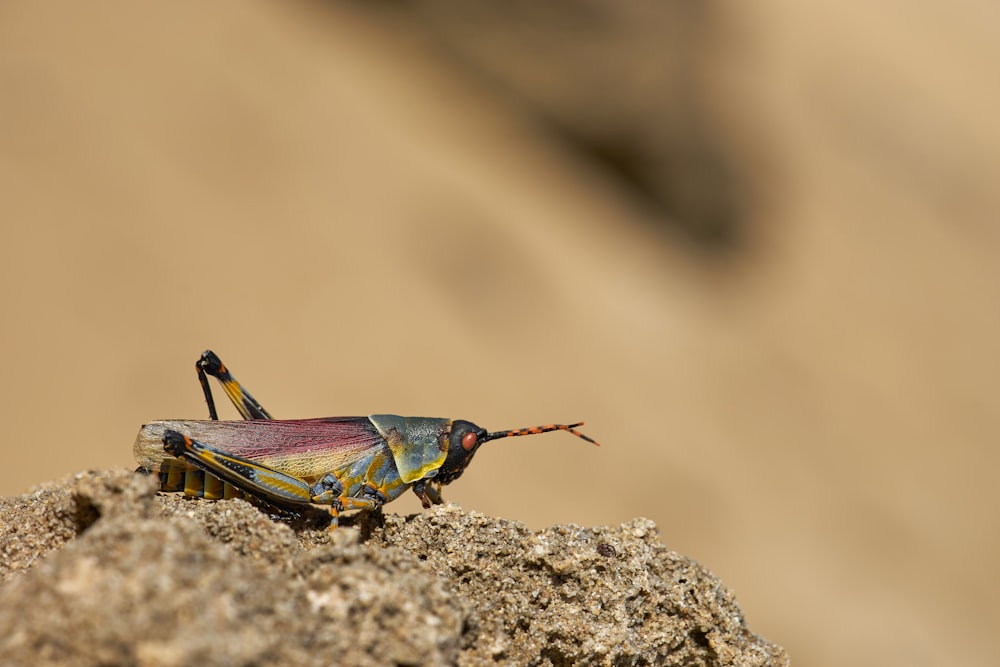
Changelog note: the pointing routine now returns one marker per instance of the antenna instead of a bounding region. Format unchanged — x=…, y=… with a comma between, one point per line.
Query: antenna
x=534, y=430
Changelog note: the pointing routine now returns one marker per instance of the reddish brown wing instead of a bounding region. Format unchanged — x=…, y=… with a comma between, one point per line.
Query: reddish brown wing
x=306, y=448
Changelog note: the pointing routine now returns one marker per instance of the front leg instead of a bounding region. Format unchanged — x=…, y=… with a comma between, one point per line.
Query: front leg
x=427, y=493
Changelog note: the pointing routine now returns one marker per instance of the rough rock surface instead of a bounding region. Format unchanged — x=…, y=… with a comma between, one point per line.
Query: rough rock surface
x=98, y=569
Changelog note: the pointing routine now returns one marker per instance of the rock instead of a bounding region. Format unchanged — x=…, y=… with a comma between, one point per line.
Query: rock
x=99, y=569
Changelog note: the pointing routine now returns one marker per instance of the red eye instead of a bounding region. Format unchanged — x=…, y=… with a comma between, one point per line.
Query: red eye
x=469, y=441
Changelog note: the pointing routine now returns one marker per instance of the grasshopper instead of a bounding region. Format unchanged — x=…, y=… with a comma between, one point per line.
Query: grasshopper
x=334, y=463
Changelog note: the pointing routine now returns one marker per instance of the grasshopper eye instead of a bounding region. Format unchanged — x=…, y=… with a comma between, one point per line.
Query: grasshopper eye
x=469, y=441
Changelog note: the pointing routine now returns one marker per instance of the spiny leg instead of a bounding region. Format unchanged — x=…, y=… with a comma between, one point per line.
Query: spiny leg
x=346, y=504
x=210, y=364
x=329, y=491
x=260, y=481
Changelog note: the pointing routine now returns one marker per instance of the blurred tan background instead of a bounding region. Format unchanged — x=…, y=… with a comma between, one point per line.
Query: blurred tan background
x=756, y=248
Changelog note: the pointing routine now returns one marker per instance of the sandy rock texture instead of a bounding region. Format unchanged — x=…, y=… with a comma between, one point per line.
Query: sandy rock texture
x=98, y=569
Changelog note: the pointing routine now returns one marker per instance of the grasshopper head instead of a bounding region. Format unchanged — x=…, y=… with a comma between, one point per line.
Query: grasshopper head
x=465, y=439
x=463, y=442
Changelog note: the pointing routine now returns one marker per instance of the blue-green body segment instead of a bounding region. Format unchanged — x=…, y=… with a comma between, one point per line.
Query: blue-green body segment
x=418, y=444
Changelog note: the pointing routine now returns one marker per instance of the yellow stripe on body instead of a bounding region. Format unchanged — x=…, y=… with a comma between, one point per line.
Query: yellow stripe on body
x=214, y=487
x=194, y=483
x=174, y=476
